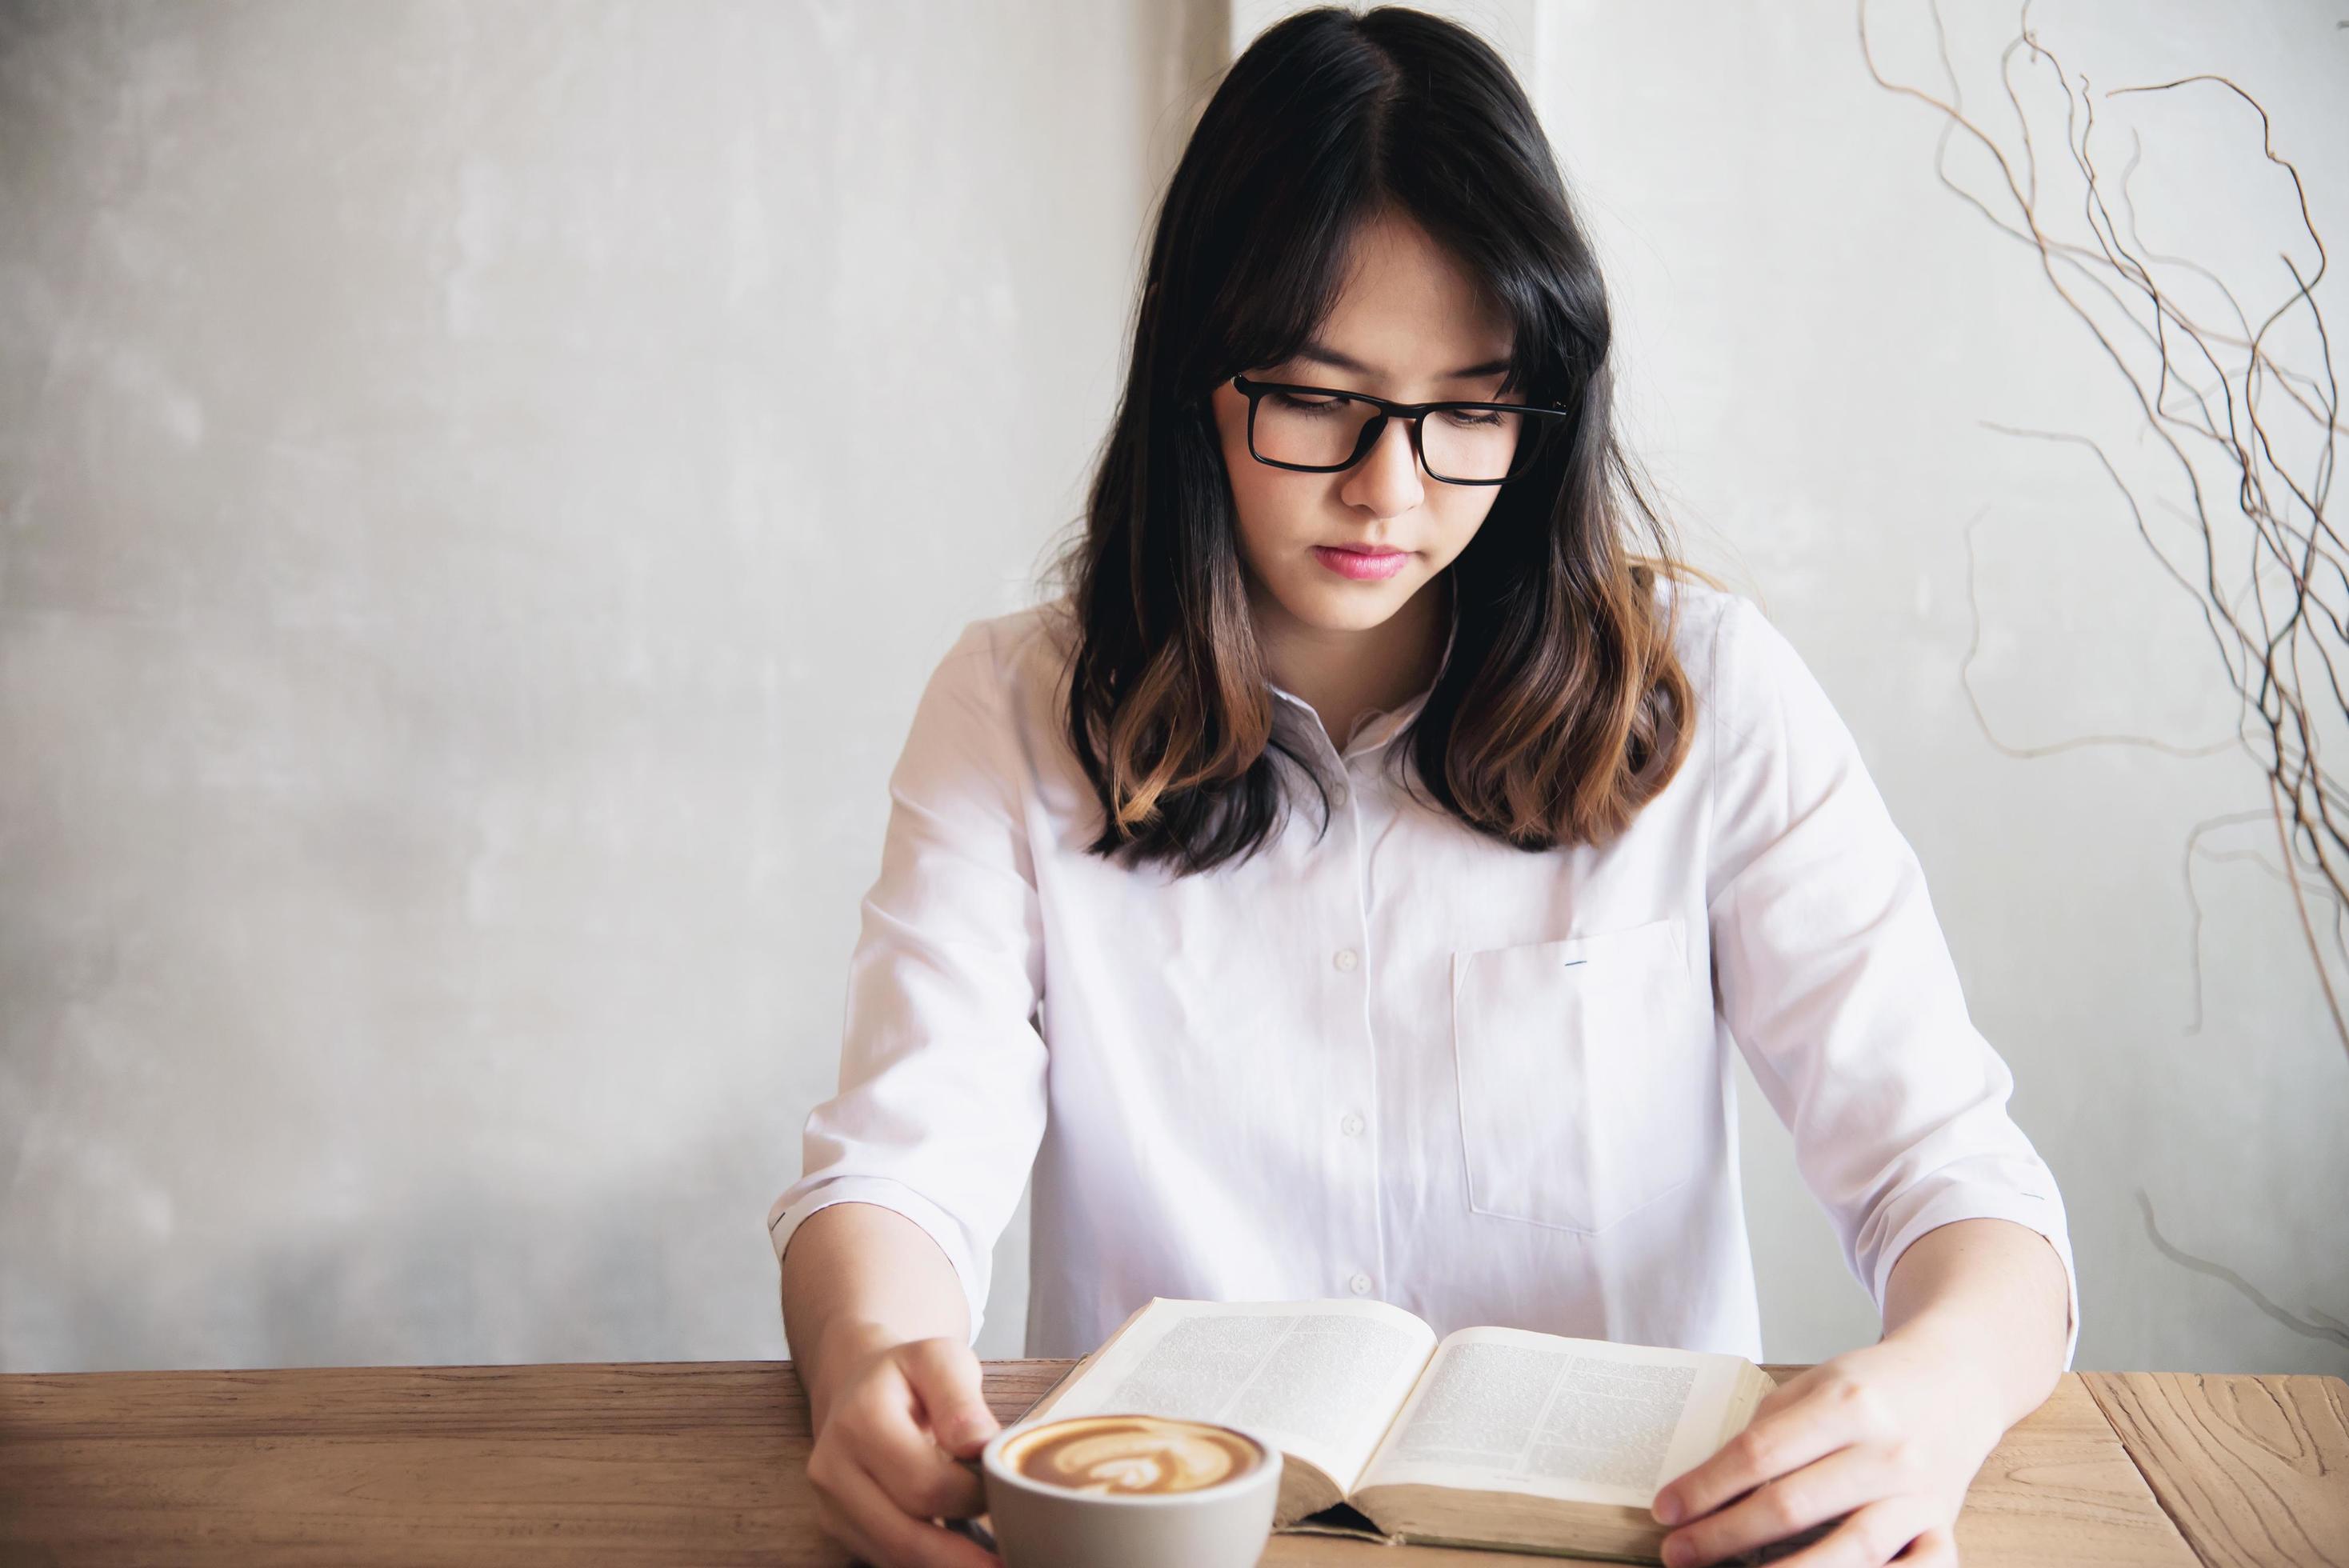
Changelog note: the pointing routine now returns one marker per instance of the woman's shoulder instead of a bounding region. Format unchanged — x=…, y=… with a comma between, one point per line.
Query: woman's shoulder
x=1747, y=673
x=1750, y=682
x=1018, y=647
x=1009, y=669
x=1699, y=610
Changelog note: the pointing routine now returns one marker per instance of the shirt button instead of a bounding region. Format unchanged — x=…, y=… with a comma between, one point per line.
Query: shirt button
x=1346, y=958
x=1338, y=795
x=1352, y=1124
x=1361, y=1284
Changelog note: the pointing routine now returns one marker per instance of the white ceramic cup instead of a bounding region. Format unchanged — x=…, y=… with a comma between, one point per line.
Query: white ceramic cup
x=1039, y=1525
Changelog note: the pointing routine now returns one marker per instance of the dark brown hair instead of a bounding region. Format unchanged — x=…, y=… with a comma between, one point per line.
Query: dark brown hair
x=1560, y=710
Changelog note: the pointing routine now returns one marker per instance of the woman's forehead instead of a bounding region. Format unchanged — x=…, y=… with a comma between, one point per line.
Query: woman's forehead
x=1409, y=312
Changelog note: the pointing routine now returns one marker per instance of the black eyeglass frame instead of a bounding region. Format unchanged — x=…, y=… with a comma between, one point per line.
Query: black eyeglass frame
x=1549, y=419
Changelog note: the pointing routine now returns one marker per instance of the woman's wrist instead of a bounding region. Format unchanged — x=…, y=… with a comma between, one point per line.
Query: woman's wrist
x=1978, y=1389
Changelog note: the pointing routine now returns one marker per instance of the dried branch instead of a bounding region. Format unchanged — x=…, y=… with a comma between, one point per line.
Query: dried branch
x=2326, y=1326
x=2206, y=393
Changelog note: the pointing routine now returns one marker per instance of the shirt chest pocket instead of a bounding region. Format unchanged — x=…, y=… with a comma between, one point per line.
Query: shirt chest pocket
x=1585, y=1073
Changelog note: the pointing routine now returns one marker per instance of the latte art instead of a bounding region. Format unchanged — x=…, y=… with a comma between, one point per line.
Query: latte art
x=1131, y=1455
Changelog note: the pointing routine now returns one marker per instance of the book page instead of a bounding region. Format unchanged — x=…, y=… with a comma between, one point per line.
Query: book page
x=1320, y=1380
x=1501, y=1409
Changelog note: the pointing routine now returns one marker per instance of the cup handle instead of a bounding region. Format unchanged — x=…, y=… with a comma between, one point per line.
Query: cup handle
x=974, y=1528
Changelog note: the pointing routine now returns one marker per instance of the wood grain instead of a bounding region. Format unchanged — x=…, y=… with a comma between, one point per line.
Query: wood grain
x=651, y=1462
x=2059, y=1490
x=2253, y=1470
x=659, y=1462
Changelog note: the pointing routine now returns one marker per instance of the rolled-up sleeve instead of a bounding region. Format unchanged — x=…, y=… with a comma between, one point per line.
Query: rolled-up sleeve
x=941, y=1100
x=1833, y=975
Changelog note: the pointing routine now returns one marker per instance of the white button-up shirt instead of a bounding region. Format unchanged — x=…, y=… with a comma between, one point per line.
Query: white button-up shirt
x=1398, y=1057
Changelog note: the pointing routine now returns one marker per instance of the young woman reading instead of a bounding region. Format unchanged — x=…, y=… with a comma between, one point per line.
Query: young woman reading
x=1355, y=881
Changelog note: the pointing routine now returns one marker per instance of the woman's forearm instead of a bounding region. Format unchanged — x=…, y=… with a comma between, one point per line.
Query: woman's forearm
x=858, y=1277
x=1989, y=1295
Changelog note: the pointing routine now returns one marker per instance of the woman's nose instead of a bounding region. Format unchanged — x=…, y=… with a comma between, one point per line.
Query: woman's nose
x=1387, y=479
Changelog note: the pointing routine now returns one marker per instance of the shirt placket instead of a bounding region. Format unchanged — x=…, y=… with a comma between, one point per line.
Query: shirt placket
x=1349, y=1125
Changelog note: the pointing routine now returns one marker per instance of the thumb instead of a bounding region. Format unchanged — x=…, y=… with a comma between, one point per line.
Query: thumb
x=946, y=1378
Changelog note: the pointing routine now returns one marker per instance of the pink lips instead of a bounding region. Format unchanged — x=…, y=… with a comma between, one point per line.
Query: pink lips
x=1362, y=566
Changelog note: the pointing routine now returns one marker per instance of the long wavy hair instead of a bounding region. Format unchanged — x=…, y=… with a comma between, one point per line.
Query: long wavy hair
x=1560, y=710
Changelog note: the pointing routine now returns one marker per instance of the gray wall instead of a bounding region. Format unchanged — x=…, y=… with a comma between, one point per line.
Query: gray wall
x=484, y=485
x=469, y=552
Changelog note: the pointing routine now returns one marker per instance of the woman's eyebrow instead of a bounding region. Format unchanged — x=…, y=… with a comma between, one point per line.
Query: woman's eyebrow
x=1321, y=353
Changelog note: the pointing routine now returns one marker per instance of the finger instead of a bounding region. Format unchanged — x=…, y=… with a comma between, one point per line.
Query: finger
x=948, y=1381
x=1827, y=1416
x=879, y=1531
x=1872, y=1537
x=920, y=1478
x=1934, y=1549
x=1819, y=1491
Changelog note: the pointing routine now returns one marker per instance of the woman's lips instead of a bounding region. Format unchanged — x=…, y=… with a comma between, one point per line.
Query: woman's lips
x=1361, y=568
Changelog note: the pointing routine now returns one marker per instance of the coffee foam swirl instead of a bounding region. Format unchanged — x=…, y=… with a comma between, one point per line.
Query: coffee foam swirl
x=1133, y=1455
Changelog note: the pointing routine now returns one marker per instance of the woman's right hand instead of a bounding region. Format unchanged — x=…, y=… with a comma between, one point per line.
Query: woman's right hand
x=885, y=1460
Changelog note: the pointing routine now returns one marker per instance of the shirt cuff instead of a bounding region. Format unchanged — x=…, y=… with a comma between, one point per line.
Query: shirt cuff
x=889, y=1193
x=1970, y=1200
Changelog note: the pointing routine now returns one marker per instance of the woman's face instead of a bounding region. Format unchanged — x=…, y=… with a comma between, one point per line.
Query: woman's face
x=1406, y=321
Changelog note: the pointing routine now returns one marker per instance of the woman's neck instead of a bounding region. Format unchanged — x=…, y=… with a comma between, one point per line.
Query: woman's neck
x=1345, y=675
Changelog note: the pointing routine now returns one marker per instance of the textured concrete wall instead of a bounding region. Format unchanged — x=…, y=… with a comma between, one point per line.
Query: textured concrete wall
x=470, y=553
x=483, y=486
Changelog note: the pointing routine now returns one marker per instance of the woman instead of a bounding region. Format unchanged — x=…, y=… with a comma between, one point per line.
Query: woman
x=1355, y=883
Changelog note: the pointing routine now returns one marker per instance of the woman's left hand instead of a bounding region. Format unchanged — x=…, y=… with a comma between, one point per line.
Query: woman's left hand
x=1890, y=1435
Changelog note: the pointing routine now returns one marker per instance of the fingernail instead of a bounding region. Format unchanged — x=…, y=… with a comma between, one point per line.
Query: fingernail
x=1668, y=1509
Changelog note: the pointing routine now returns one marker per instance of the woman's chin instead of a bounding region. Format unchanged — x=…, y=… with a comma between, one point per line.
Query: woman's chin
x=1340, y=606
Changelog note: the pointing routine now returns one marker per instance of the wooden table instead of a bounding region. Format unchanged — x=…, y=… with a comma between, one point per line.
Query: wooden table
x=704, y=1462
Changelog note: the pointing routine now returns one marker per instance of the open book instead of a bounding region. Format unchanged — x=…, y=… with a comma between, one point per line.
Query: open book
x=1489, y=1436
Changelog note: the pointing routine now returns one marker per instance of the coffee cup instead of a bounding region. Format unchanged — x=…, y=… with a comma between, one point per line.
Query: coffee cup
x=1118, y=1491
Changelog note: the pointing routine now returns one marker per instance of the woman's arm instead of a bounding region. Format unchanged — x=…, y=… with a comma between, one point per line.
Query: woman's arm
x=1989, y=1295
x=858, y=1278
x=879, y=1332
x=943, y=1087
x=1977, y=1316
x=1837, y=985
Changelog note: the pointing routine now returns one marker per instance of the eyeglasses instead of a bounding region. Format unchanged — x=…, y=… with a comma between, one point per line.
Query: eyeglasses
x=1320, y=430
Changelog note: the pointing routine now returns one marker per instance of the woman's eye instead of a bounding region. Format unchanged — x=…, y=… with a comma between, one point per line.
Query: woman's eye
x=1475, y=417
x=1308, y=405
